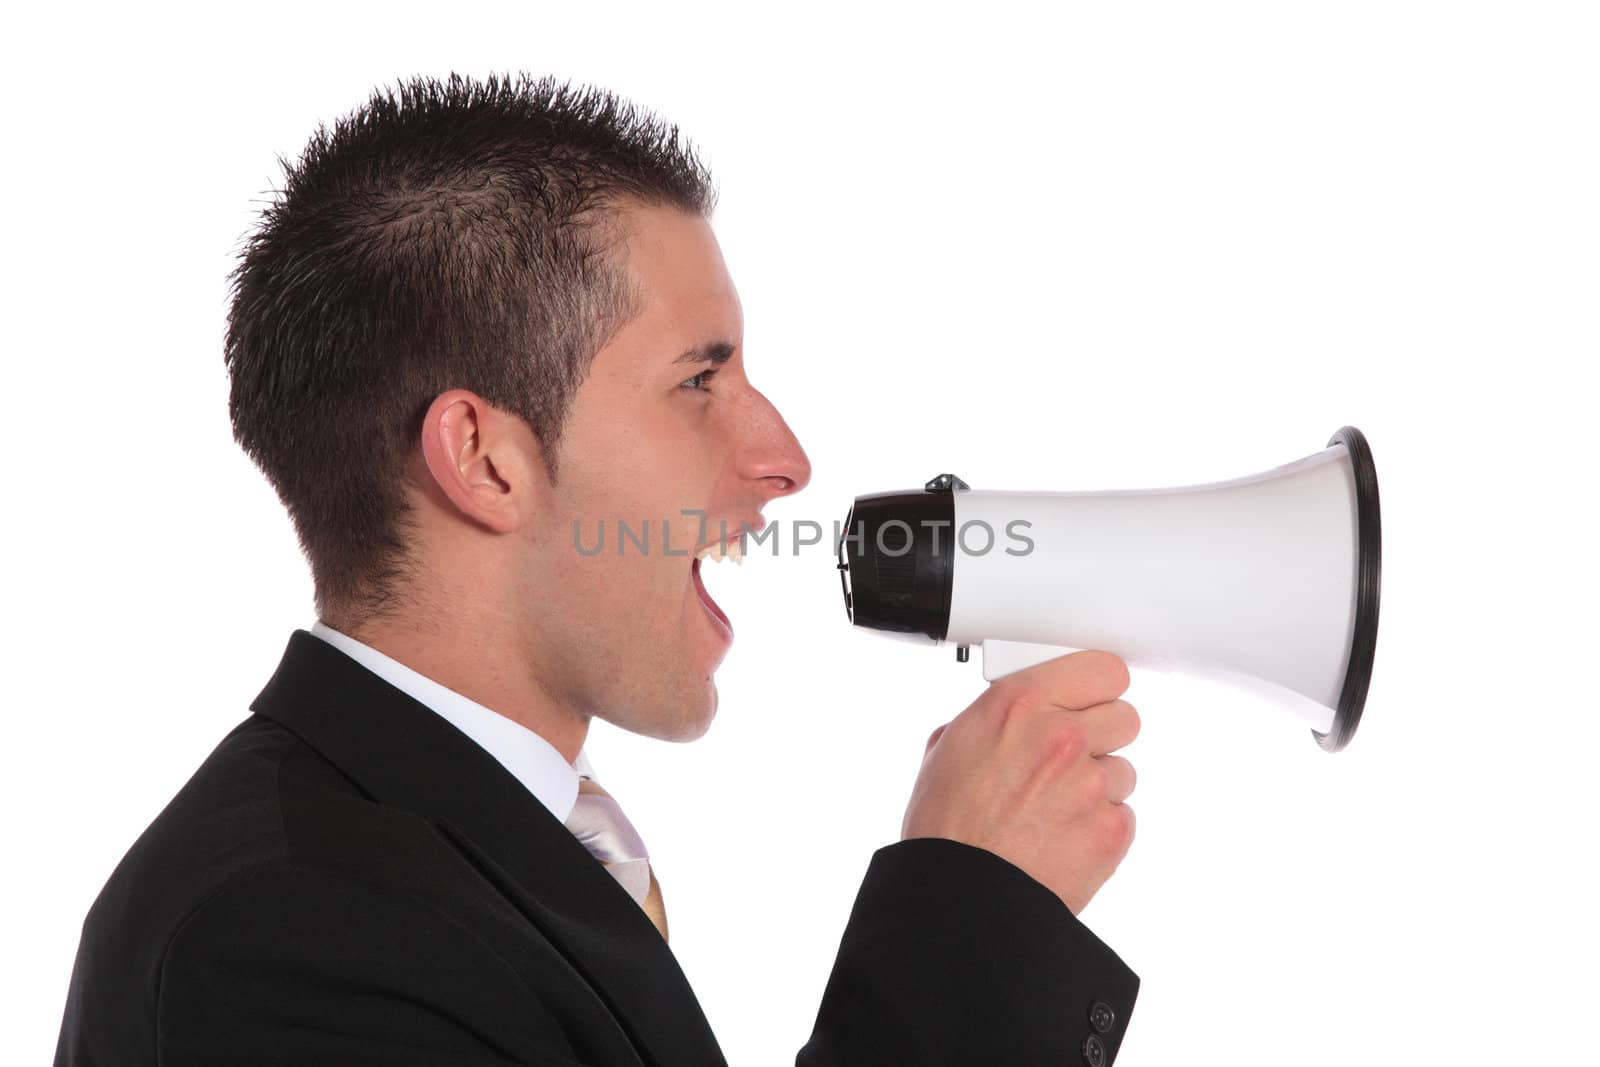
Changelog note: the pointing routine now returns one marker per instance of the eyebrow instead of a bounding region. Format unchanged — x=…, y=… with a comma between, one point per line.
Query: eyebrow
x=717, y=352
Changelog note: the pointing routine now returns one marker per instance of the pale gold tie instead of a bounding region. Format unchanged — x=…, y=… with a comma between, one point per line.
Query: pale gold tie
x=605, y=831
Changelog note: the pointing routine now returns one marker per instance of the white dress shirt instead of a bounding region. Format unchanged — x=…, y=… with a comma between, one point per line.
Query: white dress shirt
x=531, y=759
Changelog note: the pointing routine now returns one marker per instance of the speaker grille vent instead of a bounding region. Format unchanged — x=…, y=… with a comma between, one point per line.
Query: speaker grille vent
x=897, y=574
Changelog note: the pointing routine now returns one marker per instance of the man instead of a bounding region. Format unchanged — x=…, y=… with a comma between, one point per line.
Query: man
x=480, y=318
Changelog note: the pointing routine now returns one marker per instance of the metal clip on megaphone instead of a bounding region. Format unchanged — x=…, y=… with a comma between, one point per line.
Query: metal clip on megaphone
x=1271, y=578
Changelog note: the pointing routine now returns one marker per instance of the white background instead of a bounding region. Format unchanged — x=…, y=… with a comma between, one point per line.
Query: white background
x=1115, y=246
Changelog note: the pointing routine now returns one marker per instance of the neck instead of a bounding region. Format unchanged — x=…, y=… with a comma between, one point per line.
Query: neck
x=490, y=669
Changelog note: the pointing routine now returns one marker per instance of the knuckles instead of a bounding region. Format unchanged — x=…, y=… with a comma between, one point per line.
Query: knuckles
x=1065, y=742
x=1094, y=784
x=1016, y=702
x=1114, y=829
x=1019, y=691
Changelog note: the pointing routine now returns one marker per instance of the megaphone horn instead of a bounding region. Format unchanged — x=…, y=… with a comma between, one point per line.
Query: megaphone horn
x=1272, y=577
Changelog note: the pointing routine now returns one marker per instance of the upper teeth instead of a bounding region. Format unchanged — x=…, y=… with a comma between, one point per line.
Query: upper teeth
x=721, y=550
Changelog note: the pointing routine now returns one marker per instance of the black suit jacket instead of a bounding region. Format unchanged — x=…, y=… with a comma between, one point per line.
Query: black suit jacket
x=349, y=879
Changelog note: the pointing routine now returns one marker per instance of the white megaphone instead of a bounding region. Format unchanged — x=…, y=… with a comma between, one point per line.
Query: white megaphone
x=1271, y=578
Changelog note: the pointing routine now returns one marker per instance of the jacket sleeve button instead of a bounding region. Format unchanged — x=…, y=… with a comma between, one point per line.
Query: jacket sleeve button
x=1094, y=1053
x=1101, y=1017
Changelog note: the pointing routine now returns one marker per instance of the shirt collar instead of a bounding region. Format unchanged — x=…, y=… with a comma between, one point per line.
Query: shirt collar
x=531, y=759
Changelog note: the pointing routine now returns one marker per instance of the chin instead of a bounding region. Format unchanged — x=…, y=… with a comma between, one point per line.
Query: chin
x=690, y=732
x=684, y=720
x=679, y=733
x=696, y=726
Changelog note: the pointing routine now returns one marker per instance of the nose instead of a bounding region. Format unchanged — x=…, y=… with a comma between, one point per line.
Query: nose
x=771, y=454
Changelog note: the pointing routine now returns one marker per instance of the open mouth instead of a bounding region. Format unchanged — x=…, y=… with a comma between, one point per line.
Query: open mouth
x=733, y=549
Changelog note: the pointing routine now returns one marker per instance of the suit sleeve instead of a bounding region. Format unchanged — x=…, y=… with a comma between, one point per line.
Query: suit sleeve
x=308, y=966
x=953, y=955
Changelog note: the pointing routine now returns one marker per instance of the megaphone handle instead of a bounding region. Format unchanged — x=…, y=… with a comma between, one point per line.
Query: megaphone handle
x=1001, y=658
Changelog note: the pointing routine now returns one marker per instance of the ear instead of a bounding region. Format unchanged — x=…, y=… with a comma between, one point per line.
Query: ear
x=478, y=457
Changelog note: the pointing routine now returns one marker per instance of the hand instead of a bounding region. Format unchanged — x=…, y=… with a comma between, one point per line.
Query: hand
x=1025, y=773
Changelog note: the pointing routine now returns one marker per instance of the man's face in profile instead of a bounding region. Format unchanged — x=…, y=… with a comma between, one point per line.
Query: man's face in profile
x=659, y=431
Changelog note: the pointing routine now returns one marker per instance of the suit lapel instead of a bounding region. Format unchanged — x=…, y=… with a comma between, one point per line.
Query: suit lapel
x=407, y=757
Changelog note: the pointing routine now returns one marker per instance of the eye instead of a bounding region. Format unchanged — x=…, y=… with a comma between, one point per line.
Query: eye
x=699, y=382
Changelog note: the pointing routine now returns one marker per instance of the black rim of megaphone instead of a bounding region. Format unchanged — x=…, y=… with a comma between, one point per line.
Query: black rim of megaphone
x=1369, y=560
